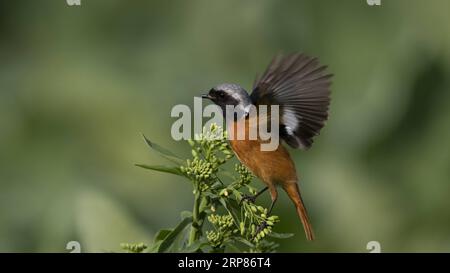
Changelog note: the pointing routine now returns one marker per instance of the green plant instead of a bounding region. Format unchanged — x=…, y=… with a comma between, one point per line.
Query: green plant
x=134, y=248
x=221, y=218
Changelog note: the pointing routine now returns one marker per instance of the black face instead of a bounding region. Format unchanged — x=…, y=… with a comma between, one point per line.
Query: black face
x=228, y=94
x=221, y=97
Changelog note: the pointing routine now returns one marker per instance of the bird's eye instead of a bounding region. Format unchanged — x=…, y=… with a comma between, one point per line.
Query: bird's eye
x=222, y=94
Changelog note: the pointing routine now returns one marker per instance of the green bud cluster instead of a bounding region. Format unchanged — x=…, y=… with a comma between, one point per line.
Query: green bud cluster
x=224, y=227
x=212, y=142
x=198, y=169
x=254, y=224
x=246, y=224
x=214, y=133
x=133, y=248
x=260, y=224
x=210, y=150
x=215, y=238
x=221, y=222
x=245, y=176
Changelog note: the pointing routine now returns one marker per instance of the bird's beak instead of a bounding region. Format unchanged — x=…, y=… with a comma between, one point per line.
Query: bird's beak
x=206, y=96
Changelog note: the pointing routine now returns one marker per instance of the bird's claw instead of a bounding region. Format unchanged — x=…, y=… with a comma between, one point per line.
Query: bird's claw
x=248, y=198
x=260, y=228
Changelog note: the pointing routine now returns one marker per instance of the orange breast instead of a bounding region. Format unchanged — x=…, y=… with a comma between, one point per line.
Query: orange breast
x=272, y=167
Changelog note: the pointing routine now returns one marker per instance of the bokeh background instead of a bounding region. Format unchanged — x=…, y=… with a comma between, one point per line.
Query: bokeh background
x=79, y=84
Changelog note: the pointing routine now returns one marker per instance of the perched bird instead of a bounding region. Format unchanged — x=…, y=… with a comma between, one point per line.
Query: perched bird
x=300, y=86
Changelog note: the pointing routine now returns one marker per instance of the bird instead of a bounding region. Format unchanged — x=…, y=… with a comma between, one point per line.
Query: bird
x=300, y=86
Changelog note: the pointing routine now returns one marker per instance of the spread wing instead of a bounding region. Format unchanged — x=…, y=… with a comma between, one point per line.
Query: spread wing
x=301, y=88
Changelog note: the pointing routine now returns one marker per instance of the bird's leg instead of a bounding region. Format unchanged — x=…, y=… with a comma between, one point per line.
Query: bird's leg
x=252, y=198
x=274, y=196
x=271, y=207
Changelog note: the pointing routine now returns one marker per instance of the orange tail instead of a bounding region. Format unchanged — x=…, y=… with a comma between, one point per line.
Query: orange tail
x=293, y=192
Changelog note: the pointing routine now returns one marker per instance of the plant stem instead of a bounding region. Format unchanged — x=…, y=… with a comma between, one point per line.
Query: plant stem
x=196, y=225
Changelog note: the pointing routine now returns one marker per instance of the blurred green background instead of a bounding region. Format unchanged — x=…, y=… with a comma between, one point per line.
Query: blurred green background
x=79, y=84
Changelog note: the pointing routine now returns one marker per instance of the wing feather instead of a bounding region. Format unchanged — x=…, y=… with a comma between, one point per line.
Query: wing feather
x=301, y=87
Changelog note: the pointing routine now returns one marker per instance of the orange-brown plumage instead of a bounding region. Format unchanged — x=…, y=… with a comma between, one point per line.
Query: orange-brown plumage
x=274, y=168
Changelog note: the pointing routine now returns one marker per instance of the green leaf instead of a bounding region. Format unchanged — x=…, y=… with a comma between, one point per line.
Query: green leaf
x=224, y=204
x=164, y=169
x=237, y=193
x=162, y=234
x=233, y=213
x=233, y=248
x=185, y=214
x=244, y=241
x=170, y=238
x=281, y=235
x=195, y=246
x=227, y=173
x=154, y=248
x=163, y=151
x=232, y=203
x=210, y=195
x=180, y=241
x=216, y=185
x=204, y=204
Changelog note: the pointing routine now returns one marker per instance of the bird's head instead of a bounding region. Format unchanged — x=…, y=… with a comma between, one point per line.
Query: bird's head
x=229, y=94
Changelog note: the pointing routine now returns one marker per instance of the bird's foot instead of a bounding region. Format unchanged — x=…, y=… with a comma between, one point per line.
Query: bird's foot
x=260, y=228
x=248, y=198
